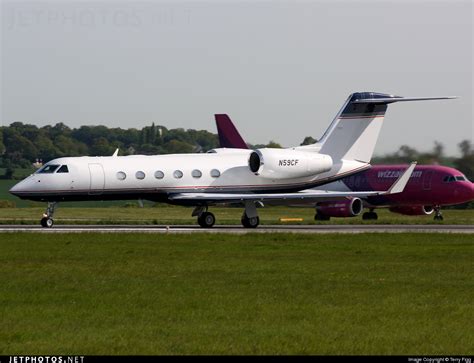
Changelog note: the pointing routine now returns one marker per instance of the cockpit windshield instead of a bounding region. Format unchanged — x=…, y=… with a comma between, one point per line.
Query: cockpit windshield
x=452, y=178
x=48, y=169
x=63, y=169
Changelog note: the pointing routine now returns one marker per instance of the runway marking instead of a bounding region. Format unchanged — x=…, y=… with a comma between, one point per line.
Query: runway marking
x=427, y=228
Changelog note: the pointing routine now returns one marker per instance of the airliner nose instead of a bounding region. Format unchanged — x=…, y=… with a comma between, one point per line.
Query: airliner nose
x=466, y=192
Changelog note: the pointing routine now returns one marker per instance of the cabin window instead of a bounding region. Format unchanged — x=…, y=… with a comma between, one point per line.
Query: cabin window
x=159, y=174
x=215, y=173
x=48, y=169
x=140, y=175
x=121, y=175
x=63, y=169
x=178, y=174
x=196, y=173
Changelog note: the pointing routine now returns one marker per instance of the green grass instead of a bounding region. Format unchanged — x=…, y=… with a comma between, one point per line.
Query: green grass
x=230, y=294
x=165, y=214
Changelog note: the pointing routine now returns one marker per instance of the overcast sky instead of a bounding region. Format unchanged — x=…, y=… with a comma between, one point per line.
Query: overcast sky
x=281, y=70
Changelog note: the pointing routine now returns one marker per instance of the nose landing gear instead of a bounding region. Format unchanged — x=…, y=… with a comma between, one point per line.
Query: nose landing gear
x=47, y=220
x=438, y=215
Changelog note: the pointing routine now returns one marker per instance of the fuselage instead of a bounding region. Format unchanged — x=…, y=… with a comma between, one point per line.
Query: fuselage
x=155, y=177
x=428, y=185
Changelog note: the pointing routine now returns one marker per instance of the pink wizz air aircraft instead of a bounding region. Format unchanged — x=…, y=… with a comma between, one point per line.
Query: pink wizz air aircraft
x=237, y=177
x=429, y=188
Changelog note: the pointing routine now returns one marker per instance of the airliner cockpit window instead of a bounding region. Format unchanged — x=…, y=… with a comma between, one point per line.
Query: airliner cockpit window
x=461, y=178
x=48, y=169
x=63, y=169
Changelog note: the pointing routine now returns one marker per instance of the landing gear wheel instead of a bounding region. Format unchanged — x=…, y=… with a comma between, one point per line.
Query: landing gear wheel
x=321, y=217
x=47, y=222
x=250, y=222
x=206, y=220
x=438, y=218
x=370, y=216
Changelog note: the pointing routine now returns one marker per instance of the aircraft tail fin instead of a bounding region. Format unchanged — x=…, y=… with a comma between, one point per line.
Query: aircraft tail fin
x=229, y=137
x=354, y=132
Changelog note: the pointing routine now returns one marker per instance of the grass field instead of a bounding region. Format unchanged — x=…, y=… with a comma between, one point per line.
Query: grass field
x=179, y=215
x=227, y=294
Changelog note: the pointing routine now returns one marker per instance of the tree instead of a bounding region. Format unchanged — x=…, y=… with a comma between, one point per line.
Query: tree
x=466, y=162
x=273, y=144
x=308, y=140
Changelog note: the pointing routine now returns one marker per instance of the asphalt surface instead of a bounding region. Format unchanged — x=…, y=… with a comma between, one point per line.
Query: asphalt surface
x=240, y=230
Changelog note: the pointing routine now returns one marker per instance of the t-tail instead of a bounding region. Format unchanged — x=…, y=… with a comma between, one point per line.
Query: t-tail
x=354, y=132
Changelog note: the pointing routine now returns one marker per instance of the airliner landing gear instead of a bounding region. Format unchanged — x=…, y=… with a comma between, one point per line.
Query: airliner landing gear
x=438, y=215
x=47, y=220
x=250, y=217
x=321, y=217
x=205, y=219
x=367, y=216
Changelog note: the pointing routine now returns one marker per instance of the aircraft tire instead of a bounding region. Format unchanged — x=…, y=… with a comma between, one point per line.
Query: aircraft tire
x=367, y=216
x=250, y=222
x=321, y=217
x=206, y=220
x=47, y=222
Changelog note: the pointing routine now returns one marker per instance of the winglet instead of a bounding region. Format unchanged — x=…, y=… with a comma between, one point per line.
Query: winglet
x=115, y=152
x=402, y=181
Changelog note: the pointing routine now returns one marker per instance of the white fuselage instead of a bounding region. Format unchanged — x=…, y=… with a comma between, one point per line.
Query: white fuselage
x=154, y=177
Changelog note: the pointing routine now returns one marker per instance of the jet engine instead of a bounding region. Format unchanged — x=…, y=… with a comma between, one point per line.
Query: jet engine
x=288, y=163
x=416, y=210
x=343, y=208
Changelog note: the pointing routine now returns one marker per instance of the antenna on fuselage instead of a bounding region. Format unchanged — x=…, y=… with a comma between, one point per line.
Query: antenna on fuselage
x=115, y=152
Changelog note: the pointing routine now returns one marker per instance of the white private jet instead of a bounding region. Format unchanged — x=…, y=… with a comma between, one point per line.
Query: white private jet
x=226, y=176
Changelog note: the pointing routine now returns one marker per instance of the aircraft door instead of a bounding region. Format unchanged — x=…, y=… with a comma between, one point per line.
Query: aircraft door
x=97, y=179
x=427, y=180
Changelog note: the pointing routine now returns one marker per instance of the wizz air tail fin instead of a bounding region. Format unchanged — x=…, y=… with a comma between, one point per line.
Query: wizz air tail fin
x=229, y=137
x=354, y=132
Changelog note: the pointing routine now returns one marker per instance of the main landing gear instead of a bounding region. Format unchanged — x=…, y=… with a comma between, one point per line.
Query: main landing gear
x=205, y=219
x=438, y=215
x=47, y=220
x=321, y=217
x=249, y=218
x=370, y=216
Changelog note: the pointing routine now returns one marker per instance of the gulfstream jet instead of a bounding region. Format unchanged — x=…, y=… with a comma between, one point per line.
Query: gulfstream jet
x=249, y=178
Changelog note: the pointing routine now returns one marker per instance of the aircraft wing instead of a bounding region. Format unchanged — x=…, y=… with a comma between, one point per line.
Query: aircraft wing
x=306, y=196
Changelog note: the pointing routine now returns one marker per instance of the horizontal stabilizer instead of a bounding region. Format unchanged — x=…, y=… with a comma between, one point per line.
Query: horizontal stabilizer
x=393, y=99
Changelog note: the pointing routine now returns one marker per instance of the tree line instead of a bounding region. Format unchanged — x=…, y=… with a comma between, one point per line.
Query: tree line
x=21, y=145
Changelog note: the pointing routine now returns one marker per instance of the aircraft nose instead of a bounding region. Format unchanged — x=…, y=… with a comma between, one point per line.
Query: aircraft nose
x=18, y=188
x=466, y=192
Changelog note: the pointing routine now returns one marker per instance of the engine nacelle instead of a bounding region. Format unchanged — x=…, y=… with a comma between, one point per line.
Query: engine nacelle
x=416, y=210
x=288, y=163
x=343, y=208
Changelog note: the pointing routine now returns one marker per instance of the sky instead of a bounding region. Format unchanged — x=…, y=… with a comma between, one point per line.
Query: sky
x=280, y=69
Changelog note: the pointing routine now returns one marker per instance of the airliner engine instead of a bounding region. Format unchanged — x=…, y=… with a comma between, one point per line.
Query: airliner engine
x=416, y=210
x=344, y=208
x=288, y=163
